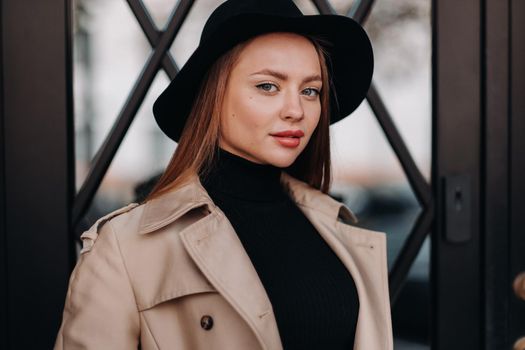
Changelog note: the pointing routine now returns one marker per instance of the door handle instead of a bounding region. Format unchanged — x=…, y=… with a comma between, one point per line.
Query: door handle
x=519, y=288
x=519, y=344
x=458, y=208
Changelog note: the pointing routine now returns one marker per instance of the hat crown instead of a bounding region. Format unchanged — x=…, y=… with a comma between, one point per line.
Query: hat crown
x=233, y=8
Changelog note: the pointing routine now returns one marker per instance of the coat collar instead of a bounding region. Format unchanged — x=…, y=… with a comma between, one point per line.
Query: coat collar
x=167, y=208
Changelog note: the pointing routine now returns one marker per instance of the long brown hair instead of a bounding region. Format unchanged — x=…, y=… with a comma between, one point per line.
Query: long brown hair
x=198, y=144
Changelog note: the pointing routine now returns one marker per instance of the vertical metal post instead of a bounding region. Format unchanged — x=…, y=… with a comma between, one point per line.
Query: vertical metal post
x=495, y=177
x=517, y=161
x=455, y=271
x=37, y=169
x=3, y=237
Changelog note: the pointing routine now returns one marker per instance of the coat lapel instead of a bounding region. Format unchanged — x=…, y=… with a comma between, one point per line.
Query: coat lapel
x=219, y=253
x=362, y=251
x=214, y=246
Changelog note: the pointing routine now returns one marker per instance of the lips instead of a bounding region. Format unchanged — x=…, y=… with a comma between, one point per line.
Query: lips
x=289, y=138
x=289, y=133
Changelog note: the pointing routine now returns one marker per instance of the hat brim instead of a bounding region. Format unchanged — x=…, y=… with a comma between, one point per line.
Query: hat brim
x=350, y=62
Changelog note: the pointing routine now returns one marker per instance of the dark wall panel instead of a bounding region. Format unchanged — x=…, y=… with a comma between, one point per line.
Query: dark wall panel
x=37, y=169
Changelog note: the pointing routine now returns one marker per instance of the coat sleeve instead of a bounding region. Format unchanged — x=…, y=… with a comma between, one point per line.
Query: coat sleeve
x=100, y=311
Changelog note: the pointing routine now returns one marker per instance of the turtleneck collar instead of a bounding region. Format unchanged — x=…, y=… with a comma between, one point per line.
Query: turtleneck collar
x=240, y=178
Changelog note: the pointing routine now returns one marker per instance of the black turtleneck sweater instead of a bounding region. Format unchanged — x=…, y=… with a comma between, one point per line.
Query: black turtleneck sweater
x=313, y=295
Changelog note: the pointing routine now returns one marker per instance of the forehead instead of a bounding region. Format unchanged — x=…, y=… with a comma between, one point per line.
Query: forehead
x=282, y=50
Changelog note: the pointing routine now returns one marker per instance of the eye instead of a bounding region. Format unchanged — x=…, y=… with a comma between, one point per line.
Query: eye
x=311, y=92
x=266, y=87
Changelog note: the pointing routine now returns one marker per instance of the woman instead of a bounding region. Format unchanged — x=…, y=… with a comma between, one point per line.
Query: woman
x=239, y=246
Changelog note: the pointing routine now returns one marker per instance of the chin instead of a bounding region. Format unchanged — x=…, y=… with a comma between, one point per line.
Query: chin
x=282, y=161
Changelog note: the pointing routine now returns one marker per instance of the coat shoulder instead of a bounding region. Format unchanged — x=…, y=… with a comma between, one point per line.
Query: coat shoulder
x=149, y=255
x=127, y=214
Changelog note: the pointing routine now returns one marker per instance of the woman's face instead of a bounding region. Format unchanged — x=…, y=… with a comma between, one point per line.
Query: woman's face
x=274, y=87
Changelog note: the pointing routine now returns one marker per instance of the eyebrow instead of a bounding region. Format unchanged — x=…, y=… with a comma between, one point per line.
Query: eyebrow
x=283, y=76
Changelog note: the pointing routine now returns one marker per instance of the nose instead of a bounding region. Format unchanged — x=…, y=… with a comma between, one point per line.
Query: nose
x=292, y=107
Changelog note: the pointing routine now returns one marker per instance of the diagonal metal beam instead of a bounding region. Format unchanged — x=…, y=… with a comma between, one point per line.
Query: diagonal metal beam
x=421, y=188
x=112, y=142
x=145, y=20
x=360, y=10
x=409, y=252
x=324, y=7
x=415, y=178
x=152, y=34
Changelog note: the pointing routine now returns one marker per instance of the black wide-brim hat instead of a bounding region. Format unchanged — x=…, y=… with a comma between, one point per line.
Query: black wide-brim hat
x=350, y=58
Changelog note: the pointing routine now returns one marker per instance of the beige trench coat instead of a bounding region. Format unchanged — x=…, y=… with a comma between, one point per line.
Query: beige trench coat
x=147, y=274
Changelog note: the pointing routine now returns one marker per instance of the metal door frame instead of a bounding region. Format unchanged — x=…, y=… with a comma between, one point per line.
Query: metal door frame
x=478, y=85
x=455, y=269
x=517, y=165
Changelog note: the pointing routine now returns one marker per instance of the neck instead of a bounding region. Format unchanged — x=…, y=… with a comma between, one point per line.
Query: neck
x=237, y=177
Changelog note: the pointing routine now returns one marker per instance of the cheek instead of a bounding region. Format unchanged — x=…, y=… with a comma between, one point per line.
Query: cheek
x=247, y=112
x=314, y=115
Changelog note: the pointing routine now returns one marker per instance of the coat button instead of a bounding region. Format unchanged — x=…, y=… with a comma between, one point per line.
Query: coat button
x=206, y=322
